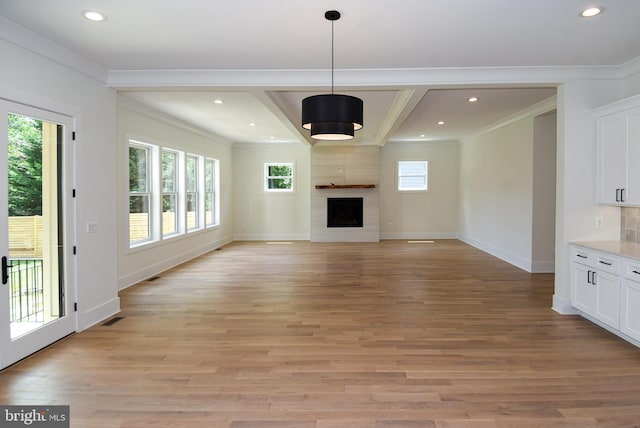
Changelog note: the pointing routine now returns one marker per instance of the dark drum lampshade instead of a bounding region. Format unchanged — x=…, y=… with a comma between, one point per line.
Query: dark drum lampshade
x=332, y=116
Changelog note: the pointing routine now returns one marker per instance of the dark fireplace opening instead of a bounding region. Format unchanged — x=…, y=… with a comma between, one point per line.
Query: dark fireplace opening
x=344, y=212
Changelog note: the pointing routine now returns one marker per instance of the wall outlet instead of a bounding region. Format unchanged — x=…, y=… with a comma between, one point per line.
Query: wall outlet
x=92, y=226
x=599, y=221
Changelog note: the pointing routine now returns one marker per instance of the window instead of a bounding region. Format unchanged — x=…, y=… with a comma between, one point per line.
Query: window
x=210, y=192
x=139, y=193
x=278, y=177
x=169, y=192
x=192, y=192
x=413, y=176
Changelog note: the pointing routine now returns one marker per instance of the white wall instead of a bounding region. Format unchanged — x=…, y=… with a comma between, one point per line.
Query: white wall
x=421, y=215
x=270, y=216
x=576, y=177
x=143, y=262
x=544, y=193
x=28, y=78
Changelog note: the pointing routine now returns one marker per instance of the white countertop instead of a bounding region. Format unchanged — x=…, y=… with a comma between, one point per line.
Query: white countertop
x=619, y=248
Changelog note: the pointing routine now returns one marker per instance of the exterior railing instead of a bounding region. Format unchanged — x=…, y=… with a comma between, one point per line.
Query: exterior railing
x=26, y=289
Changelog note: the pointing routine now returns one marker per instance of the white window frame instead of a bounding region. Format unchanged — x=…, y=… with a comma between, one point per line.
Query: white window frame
x=149, y=193
x=212, y=193
x=175, y=193
x=399, y=176
x=197, y=193
x=267, y=177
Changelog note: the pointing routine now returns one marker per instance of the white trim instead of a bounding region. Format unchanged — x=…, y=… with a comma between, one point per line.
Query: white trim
x=98, y=314
x=543, y=106
x=272, y=237
x=418, y=235
x=358, y=78
x=46, y=48
x=506, y=256
x=155, y=269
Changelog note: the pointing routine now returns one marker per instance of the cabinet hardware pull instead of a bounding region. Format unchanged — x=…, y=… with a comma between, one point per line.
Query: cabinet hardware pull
x=636, y=272
x=617, y=195
x=581, y=256
x=606, y=263
x=622, y=195
x=593, y=277
x=588, y=277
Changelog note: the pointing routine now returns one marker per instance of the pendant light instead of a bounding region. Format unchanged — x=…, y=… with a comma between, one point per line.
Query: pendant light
x=332, y=117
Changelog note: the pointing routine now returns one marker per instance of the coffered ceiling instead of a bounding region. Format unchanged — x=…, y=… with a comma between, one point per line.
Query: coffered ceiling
x=414, y=62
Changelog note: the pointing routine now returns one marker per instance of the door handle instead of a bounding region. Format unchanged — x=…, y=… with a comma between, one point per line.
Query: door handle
x=5, y=270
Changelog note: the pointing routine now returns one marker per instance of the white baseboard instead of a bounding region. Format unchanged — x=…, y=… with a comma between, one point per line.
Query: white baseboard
x=510, y=258
x=90, y=317
x=421, y=235
x=163, y=265
x=271, y=237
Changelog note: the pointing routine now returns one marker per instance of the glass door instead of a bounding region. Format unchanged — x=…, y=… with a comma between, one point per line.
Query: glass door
x=35, y=291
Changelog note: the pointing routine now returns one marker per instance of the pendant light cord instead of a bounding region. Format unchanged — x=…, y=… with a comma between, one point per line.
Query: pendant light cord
x=332, y=38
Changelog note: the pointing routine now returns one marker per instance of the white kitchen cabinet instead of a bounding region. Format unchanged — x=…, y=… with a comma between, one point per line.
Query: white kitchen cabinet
x=618, y=153
x=596, y=285
x=630, y=298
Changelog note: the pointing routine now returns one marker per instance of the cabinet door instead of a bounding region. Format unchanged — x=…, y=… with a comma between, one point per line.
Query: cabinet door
x=612, y=158
x=584, y=293
x=632, y=194
x=607, y=298
x=630, y=309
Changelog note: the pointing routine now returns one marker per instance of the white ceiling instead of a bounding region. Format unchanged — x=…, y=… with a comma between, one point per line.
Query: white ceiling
x=286, y=36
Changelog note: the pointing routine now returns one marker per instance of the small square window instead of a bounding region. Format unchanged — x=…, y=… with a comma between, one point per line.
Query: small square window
x=413, y=176
x=278, y=177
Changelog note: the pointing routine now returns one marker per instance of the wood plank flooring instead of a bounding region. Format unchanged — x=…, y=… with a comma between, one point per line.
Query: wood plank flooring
x=386, y=334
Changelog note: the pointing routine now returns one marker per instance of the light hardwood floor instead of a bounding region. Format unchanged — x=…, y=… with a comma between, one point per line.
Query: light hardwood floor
x=386, y=334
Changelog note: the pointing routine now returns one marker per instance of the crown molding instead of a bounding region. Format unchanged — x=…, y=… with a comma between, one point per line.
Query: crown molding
x=542, y=107
x=123, y=101
x=52, y=51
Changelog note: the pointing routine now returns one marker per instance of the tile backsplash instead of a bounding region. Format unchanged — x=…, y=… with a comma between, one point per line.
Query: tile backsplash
x=630, y=224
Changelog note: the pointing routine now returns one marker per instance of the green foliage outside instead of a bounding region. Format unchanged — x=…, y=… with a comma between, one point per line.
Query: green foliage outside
x=284, y=171
x=25, y=166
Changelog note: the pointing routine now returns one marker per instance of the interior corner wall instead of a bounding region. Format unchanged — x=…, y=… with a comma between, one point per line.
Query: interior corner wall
x=137, y=264
x=420, y=215
x=544, y=193
x=576, y=178
x=28, y=78
x=496, y=185
x=259, y=215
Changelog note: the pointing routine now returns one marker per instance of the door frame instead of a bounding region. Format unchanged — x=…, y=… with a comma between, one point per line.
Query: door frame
x=13, y=350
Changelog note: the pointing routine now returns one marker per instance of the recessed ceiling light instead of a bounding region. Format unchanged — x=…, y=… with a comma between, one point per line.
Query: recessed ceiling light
x=272, y=138
x=218, y=101
x=423, y=135
x=94, y=16
x=252, y=124
x=473, y=99
x=591, y=12
x=441, y=122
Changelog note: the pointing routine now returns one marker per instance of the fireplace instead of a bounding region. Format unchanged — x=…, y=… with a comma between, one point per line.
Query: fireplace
x=345, y=212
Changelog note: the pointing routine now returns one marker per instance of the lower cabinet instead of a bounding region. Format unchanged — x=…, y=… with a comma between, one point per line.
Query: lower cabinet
x=630, y=300
x=596, y=285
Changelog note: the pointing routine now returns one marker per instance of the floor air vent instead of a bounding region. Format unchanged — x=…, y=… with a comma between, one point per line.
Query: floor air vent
x=112, y=321
x=153, y=278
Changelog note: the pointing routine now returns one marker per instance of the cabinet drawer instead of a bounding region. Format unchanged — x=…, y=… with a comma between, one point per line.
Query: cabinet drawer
x=631, y=270
x=584, y=256
x=608, y=263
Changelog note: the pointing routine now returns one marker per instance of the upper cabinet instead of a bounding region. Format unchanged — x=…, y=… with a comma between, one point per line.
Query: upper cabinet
x=618, y=153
